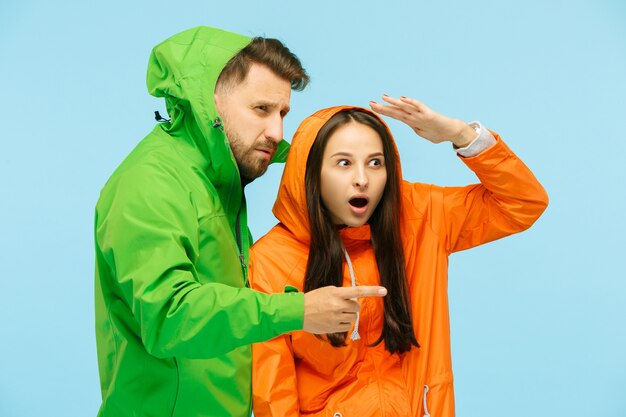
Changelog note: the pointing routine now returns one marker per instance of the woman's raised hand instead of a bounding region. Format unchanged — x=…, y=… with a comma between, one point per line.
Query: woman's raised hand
x=427, y=123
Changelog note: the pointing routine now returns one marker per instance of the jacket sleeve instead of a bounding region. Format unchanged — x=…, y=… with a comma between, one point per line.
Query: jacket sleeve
x=508, y=200
x=274, y=382
x=147, y=233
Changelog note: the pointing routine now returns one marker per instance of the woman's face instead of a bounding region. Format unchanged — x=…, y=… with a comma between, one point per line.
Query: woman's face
x=353, y=175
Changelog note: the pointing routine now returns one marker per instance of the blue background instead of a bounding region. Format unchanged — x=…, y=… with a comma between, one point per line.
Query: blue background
x=538, y=319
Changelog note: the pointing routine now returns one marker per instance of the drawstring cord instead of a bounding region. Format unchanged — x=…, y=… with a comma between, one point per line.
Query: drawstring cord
x=159, y=118
x=355, y=333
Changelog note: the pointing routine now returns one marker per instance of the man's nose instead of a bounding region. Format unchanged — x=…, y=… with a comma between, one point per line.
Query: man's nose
x=274, y=129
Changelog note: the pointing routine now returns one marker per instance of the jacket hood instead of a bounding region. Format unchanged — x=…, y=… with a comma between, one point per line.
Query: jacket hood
x=290, y=206
x=184, y=70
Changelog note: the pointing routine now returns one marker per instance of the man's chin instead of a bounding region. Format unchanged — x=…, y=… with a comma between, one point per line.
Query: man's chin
x=250, y=174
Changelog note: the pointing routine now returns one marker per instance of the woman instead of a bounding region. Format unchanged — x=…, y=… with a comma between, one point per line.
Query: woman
x=347, y=218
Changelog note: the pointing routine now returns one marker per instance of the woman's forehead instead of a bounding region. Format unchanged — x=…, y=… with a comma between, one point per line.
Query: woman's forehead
x=354, y=139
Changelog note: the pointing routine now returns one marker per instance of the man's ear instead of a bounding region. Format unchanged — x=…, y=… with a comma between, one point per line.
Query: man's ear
x=217, y=98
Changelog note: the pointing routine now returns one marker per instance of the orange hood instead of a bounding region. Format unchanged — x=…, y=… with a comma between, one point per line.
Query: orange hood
x=290, y=206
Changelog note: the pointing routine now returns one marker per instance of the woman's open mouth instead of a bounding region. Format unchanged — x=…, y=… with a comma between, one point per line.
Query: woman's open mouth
x=358, y=204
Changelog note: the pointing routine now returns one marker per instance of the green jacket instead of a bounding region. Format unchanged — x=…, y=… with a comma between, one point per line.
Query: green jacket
x=174, y=316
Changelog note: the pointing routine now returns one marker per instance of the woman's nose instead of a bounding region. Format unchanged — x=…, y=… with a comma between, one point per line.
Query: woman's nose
x=360, y=179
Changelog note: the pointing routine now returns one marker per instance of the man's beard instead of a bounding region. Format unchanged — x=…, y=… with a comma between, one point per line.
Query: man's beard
x=251, y=165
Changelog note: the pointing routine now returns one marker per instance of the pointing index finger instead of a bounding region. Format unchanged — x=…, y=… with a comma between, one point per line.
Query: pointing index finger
x=363, y=291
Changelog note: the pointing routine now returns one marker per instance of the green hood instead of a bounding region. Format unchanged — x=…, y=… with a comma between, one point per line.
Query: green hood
x=184, y=70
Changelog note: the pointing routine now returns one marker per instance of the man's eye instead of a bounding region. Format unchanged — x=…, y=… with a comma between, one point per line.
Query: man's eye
x=262, y=108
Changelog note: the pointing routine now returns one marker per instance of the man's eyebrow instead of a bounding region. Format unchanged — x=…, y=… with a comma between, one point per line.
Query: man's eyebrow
x=271, y=104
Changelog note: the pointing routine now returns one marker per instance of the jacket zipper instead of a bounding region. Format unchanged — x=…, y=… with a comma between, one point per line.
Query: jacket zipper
x=217, y=124
x=242, y=258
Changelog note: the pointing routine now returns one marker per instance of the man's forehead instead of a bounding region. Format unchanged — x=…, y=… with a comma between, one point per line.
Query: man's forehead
x=261, y=75
x=263, y=85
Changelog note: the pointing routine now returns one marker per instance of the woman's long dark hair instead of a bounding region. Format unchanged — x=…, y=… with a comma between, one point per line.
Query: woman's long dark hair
x=325, y=264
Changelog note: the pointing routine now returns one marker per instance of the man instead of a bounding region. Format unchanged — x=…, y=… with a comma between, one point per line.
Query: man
x=174, y=316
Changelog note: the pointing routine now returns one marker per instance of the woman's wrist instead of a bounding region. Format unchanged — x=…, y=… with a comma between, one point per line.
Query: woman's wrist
x=466, y=135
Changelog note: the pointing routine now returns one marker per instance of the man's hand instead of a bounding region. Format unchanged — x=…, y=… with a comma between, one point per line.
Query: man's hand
x=425, y=122
x=333, y=309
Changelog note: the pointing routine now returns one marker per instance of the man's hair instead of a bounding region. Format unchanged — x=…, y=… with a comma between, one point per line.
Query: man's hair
x=325, y=263
x=265, y=51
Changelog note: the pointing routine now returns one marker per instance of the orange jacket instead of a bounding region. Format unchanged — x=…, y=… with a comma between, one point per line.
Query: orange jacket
x=299, y=374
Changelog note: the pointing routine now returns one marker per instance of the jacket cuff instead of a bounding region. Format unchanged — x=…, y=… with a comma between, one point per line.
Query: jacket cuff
x=490, y=157
x=484, y=140
x=289, y=314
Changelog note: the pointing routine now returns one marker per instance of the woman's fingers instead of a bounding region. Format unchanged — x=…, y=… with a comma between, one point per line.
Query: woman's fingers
x=418, y=105
x=390, y=111
x=408, y=110
x=409, y=105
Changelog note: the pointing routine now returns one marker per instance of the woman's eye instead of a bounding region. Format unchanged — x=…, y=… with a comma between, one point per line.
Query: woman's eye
x=376, y=163
x=343, y=163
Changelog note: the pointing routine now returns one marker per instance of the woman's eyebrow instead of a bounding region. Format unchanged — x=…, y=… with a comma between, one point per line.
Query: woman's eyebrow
x=344, y=153
x=341, y=153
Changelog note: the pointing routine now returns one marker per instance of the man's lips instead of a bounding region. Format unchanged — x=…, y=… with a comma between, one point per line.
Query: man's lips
x=266, y=148
x=268, y=153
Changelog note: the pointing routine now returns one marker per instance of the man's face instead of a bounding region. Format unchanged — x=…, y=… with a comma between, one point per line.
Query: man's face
x=252, y=113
